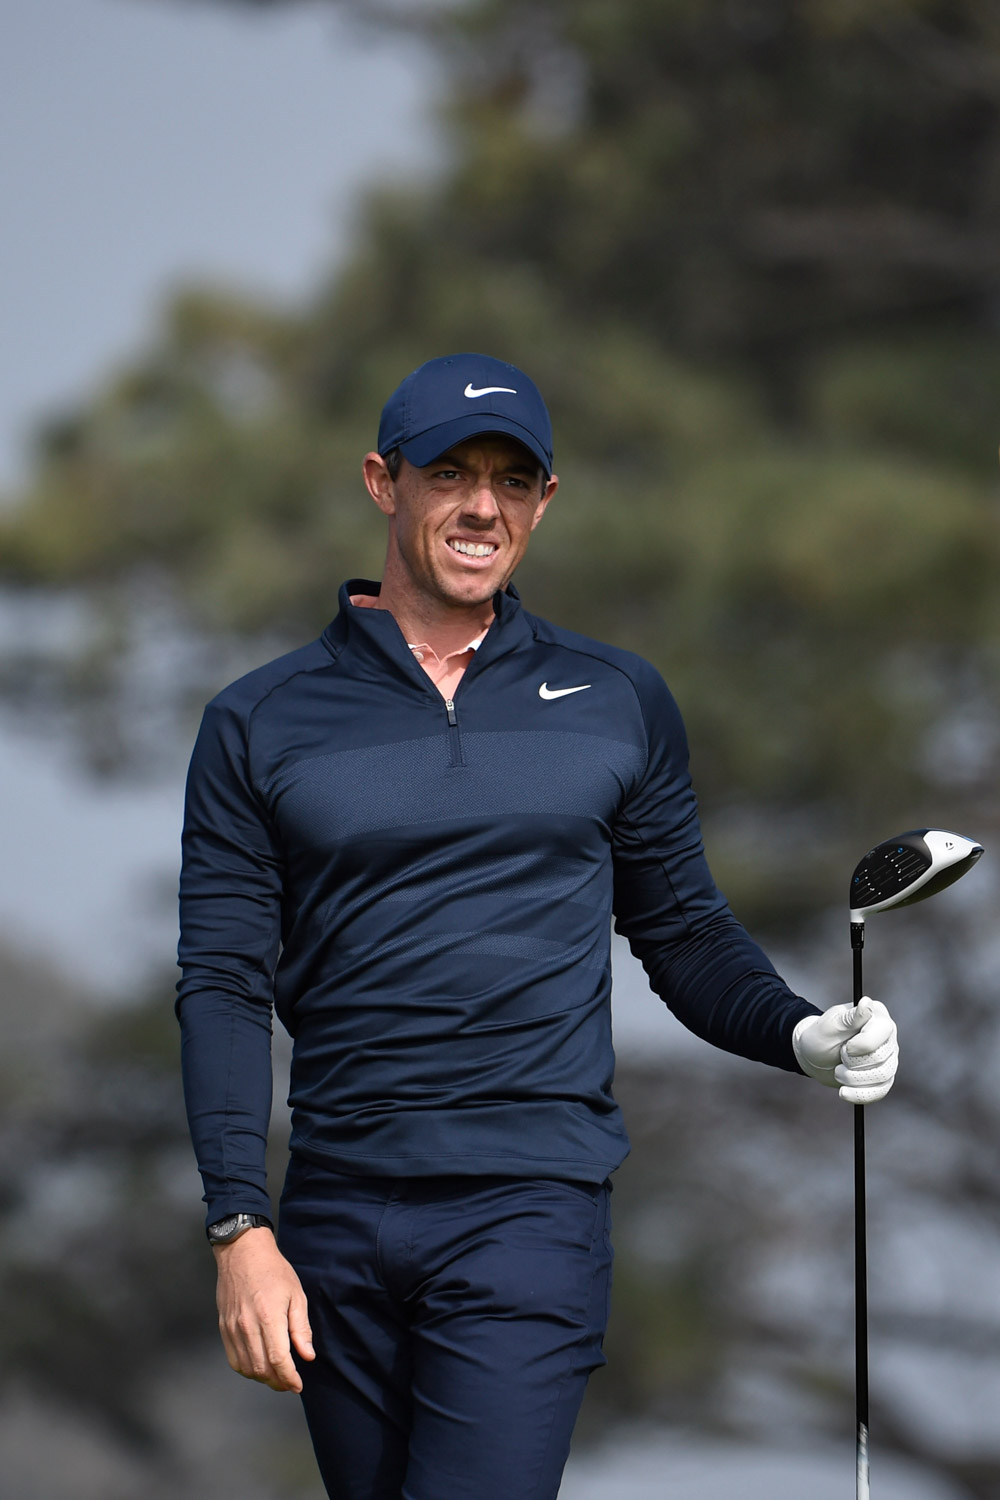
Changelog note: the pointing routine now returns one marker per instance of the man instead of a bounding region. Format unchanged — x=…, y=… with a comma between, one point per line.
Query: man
x=412, y=834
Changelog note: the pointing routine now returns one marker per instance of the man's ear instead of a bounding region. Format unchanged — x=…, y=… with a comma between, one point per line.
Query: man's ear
x=379, y=483
x=548, y=491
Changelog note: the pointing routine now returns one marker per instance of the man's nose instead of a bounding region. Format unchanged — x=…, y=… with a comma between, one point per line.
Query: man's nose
x=481, y=501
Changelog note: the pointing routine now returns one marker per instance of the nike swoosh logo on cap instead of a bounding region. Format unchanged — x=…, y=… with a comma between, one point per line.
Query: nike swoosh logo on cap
x=488, y=390
x=546, y=692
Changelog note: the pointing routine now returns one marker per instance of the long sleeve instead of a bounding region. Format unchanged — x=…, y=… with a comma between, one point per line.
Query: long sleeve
x=698, y=957
x=230, y=938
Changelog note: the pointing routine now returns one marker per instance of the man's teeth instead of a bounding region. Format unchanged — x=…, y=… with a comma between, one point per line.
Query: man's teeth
x=474, y=549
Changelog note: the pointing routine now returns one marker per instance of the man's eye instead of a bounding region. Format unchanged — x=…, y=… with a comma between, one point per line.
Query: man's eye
x=446, y=474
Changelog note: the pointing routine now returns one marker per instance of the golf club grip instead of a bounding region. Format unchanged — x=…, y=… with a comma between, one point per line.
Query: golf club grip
x=860, y=1264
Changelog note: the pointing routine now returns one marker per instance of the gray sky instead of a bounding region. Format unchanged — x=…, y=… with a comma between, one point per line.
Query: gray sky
x=149, y=140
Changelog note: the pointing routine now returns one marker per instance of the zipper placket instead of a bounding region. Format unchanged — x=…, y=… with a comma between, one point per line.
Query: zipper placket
x=454, y=734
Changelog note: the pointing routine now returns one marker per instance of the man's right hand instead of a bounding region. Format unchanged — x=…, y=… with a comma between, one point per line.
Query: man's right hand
x=262, y=1311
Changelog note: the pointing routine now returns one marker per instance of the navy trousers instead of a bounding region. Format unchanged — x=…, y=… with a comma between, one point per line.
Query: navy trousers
x=455, y=1321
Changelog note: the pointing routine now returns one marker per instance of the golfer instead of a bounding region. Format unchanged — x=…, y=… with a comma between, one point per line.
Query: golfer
x=410, y=838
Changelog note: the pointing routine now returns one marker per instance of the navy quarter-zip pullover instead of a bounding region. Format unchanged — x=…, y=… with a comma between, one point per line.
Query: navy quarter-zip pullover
x=425, y=889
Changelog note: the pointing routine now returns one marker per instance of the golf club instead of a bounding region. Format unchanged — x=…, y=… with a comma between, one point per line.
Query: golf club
x=897, y=872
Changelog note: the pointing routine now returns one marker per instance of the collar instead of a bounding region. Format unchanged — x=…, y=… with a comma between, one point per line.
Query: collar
x=370, y=601
x=374, y=634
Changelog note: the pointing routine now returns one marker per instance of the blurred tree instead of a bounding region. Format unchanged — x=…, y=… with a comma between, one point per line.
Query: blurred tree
x=749, y=251
x=745, y=179
x=105, y=1277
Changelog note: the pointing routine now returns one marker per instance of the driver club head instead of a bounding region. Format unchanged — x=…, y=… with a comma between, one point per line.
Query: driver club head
x=909, y=868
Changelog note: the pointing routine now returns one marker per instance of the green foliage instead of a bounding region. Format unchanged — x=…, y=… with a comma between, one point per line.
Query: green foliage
x=933, y=396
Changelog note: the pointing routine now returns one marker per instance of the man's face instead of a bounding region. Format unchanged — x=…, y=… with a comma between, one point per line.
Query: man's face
x=459, y=527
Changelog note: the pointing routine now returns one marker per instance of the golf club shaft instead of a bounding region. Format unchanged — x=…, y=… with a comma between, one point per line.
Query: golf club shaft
x=897, y=872
x=860, y=1253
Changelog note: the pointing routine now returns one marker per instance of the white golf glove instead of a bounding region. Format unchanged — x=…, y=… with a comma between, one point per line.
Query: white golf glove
x=850, y=1047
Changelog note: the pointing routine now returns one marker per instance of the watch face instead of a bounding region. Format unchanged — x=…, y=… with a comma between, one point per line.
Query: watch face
x=225, y=1227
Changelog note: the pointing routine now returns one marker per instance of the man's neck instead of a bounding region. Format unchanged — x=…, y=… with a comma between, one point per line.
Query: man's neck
x=444, y=629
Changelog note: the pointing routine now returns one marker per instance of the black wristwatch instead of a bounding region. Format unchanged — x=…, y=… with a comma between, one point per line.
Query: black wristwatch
x=233, y=1225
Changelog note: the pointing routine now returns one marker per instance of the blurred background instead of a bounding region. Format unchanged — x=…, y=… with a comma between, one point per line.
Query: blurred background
x=750, y=250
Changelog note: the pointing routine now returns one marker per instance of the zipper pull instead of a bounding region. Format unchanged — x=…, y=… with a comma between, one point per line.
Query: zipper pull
x=450, y=706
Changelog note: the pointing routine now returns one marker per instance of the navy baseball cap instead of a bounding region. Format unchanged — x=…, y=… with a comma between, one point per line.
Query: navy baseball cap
x=447, y=400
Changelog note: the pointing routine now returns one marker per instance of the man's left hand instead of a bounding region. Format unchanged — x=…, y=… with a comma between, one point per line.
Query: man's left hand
x=852, y=1048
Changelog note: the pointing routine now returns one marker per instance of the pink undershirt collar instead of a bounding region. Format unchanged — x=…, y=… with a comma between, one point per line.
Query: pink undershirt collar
x=446, y=671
